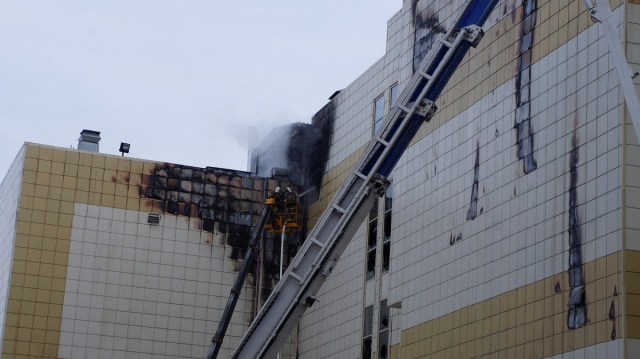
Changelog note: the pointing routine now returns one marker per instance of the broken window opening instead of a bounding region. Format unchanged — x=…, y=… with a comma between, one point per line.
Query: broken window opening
x=372, y=241
x=383, y=333
x=386, y=242
x=367, y=332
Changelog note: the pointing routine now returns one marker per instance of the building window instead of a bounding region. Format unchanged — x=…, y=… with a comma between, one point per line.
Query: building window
x=386, y=242
x=378, y=112
x=372, y=240
x=383, y=328
x=367, y=337
x=394, y=94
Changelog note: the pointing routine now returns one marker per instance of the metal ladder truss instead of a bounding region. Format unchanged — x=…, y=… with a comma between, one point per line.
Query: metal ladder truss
x=327, y=240
x=600, y=12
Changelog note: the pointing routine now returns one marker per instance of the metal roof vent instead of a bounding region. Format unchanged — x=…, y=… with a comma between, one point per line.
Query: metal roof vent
x=154, y=218
x=88, y=141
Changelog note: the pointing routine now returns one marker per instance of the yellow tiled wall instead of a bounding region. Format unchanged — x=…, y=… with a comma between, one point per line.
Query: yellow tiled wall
x=53, y=180
x=36, y=293
x=632, y=292
x=528, y=320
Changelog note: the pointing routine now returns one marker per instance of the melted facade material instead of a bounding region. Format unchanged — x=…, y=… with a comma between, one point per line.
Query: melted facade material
x=612, y=318
x=426, y=27
x=523, y=124
x=473, y=207
x=577, y=314
x=300, y=151
x=227, y=202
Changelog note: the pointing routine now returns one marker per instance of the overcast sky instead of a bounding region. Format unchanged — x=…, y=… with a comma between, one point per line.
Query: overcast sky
x=181, y=81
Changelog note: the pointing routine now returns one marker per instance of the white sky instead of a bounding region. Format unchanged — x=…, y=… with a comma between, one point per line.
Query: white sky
x=181, y=81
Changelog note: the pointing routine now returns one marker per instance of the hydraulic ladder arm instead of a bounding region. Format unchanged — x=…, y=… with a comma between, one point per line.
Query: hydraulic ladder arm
x=327, y=240
x=600, y=12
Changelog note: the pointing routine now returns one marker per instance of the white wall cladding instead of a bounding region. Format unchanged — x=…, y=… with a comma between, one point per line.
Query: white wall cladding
x=144, y=291
x=632, y=155
x=520, y=235
x=332, y=327
x=9, y=195
x=354, y=105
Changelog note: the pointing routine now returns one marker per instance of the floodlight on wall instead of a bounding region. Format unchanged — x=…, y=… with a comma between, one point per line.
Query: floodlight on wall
x=124, y=148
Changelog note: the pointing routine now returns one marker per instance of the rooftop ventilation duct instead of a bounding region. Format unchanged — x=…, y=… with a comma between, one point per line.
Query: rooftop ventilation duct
x=153, y=218
x=88, y=141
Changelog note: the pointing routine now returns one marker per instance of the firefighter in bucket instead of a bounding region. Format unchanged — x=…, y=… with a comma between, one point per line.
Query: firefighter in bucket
x=284, y=211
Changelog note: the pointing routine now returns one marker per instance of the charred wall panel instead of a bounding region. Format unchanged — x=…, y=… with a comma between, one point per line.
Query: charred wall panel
x=227, y=202
x=323, y=122
x=300, y=150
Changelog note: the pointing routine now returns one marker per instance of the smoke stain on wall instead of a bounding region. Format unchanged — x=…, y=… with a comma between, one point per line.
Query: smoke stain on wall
x=523, y=124
x=577, y=314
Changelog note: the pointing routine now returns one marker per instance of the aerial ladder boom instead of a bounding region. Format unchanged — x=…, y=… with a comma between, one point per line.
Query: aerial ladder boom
x=280, y=213
x=325, y=243
x=600, y=12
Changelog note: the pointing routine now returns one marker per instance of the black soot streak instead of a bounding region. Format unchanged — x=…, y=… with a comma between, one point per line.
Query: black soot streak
x=473, y=207
x=577, y=315
x=612, y=318
x=523, y=88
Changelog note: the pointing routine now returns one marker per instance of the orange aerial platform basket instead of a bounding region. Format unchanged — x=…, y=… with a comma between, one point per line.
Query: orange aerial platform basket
x=285, y=214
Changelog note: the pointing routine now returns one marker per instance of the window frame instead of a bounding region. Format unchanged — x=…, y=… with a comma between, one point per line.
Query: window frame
x=367, y=311
x=394, y=89
x=377, y=122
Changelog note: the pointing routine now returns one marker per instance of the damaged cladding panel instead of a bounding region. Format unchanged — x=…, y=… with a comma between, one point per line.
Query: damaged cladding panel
x=300, y=150
x=522, y=124
x=577, y=314
x=427, y=27
x=226, y=201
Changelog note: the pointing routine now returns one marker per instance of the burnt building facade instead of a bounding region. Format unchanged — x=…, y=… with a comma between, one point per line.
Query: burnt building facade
x=119, y=257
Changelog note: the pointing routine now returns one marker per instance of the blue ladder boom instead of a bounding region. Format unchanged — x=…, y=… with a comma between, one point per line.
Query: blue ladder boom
x=341, y=219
